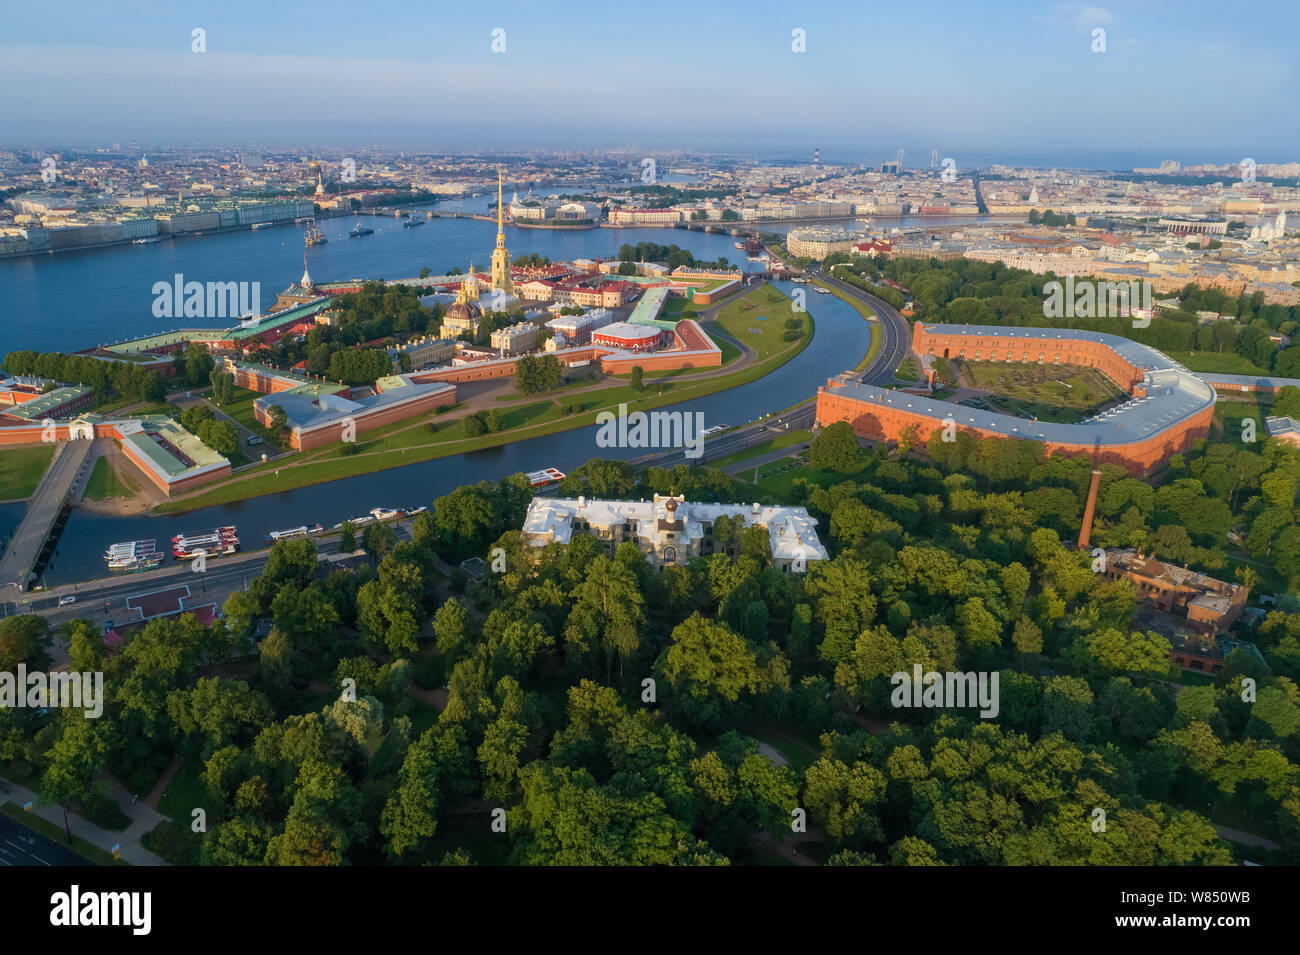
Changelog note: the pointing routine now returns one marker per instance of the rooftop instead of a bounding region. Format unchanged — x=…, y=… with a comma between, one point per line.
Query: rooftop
x=1173, y=394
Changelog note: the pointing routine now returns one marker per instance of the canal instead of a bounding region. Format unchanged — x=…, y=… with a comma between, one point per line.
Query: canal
x=840, y=340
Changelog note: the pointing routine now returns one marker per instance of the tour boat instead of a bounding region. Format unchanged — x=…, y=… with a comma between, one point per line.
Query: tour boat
x=545, y=476
x=261, y=225
x=213, y=543
x=133, y=555
x=147, y=240
x=375, y=514
x=359, y=231
x=292, y=532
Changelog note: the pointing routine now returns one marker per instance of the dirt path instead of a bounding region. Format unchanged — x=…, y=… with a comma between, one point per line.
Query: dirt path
x=164, y=780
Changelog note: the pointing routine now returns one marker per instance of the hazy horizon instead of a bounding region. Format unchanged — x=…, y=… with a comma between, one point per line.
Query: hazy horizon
x=1018, y=80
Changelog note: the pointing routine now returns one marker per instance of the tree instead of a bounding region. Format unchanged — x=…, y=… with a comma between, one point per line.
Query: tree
x=347, y=537
x=25, y=639
x=708, y=668
x=409, y=818
x=1027, y=637
x=638, y=374
x=607, y=613
x=85, y=646
x=451, y=626
x=223, y=385
x=836, y=449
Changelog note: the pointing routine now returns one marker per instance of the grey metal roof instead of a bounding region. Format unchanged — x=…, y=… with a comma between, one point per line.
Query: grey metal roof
x=1173, y=394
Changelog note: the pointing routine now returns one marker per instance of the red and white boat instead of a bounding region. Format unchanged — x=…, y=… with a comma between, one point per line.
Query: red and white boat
x=545, y=476
x=213, y=543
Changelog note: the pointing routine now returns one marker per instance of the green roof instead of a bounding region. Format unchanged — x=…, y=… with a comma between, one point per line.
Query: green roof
x=38, y=408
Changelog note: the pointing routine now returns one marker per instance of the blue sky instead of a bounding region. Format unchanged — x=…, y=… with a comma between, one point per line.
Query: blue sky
x=1196, y=81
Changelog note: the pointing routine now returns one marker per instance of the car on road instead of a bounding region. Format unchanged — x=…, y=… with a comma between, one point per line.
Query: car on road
x=67, y=599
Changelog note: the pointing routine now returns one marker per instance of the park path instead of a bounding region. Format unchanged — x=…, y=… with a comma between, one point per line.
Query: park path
x=143, y=819
x=1246, y=838
x=164, y=780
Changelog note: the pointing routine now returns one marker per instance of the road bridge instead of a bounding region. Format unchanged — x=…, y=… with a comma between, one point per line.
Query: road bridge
x=68, y=466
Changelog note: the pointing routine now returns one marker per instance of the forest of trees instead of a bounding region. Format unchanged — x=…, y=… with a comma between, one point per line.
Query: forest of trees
x=111, y=380
x=614, y=712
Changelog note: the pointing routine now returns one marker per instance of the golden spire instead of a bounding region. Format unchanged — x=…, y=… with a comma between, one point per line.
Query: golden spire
x=501, y=233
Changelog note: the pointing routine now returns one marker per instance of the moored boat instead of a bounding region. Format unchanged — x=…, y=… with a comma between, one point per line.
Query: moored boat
x=545, y=476
x=133, y=555
x=213, y=543
x=292, y=532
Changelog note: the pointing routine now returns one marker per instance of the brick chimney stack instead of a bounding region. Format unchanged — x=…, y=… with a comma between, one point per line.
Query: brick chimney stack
x=1085, y=532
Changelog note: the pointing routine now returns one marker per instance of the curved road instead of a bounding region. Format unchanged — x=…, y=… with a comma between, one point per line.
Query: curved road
x=896, y=336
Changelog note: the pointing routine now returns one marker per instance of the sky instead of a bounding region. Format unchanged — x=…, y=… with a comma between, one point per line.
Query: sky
x=982, y=82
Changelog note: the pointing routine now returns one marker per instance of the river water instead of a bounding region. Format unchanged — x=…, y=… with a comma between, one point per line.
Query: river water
x=75, y=300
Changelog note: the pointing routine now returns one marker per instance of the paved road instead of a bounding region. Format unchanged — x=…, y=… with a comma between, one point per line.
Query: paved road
x=21, y=846
x=896, y=335
x=51, y=494
x=223, y=576
x=797, y=419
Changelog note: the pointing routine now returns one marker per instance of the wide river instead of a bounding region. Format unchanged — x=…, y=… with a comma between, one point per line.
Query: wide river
x=75, y=300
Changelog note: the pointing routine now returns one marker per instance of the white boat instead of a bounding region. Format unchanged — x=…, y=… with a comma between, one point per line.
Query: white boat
x=292, y=532
x=376, y=514
x=545, y=476
x=147, y=240
x=261, y=225
x=133, y=555
x=213, y=543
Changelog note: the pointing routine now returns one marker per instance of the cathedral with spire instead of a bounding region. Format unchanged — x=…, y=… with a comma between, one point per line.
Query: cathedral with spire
x=501, y=255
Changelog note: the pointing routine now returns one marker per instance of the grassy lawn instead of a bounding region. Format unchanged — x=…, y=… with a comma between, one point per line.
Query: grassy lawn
x=1066, y=394
x=1226, y=363
x=678, y=308
x=162, y=407
x=423, y=716
x=758, y=319
x=48, y=829
x=800, y=759
x=780, y=486
x=785, y=440
x=240, y=407
x=185, y=793
x=105, y=485
x=1230, y=413
x=21, y=470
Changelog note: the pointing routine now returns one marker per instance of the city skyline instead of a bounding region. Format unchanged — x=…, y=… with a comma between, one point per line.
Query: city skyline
x=1043, y=92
